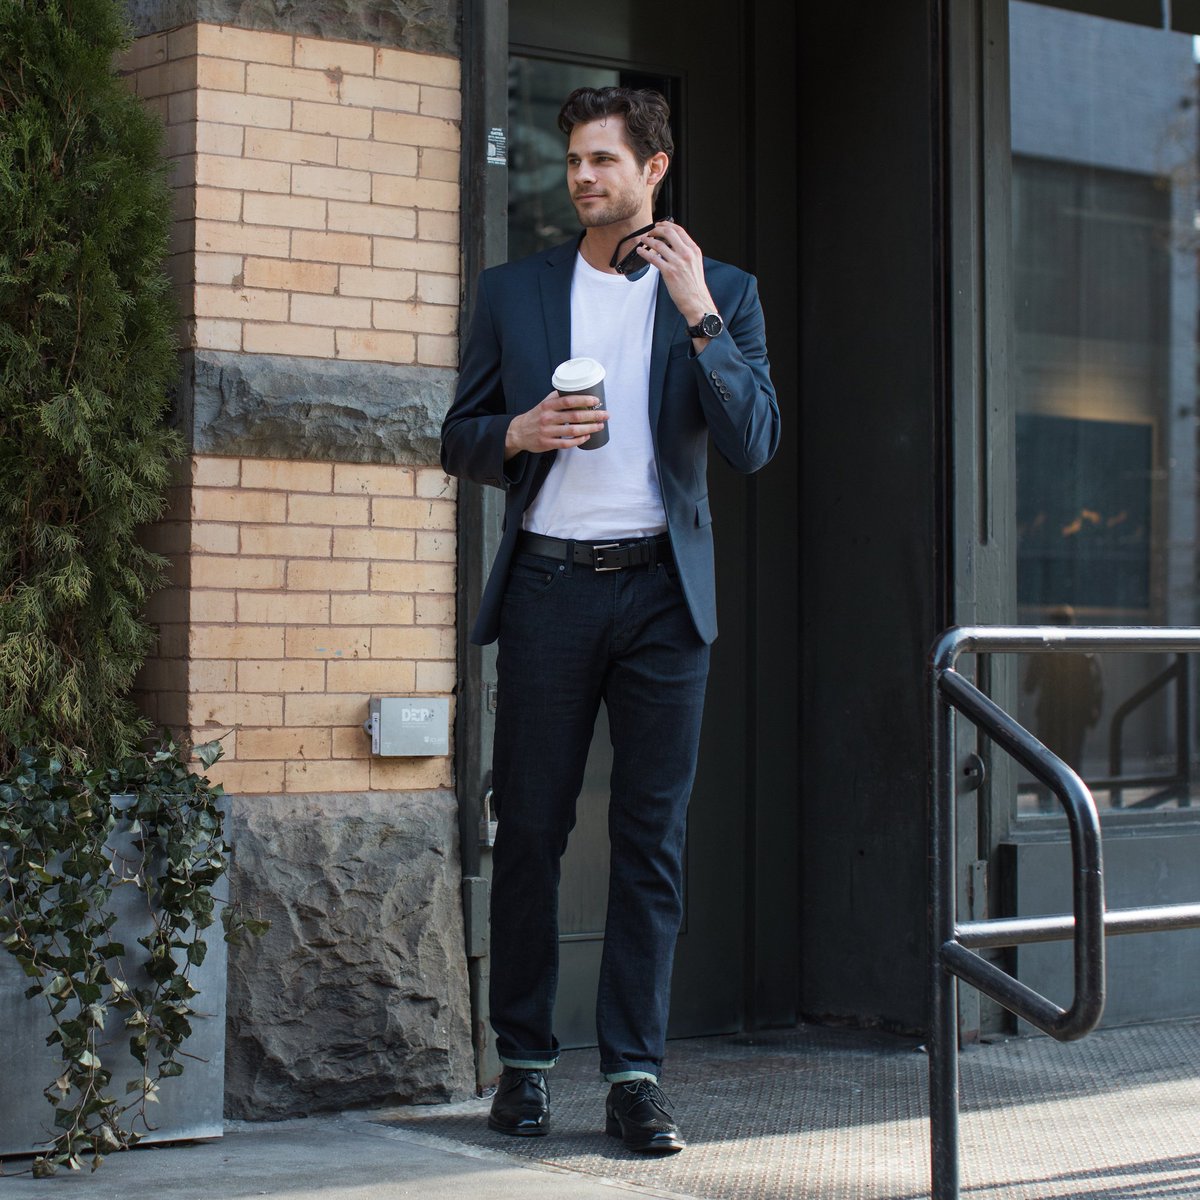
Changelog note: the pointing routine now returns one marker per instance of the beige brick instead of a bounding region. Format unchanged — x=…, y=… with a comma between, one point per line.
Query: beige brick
x=234, y=108
x=212, y=138
x=291, y=276
x=331, y=310
x=180, y=109
x=433, y=350
x=237, y=504
x=412, y=577
x=373, y=218
x=208, y=538
x=234, y=708
x=375, y=677
x=304, y=341
x=181, y=171
x=352, y=248
x=347, y=58
x=417, y=193
x=285, y=743
x=167, y=77
x=239, y=174
x=417, y=68
x=236, y=641
x=372, y=608
x=170, y=605
x=376, y=347
x=434, y=610
x=413, y=514
x=226, y=41
x=181, y=42
x=332, y=182
x=436, y=547
x=293, y=541
x=411, y=774
x=293, y=83
x=384, y=157
x=435, y=484
x=182, y=237
x=378, y=282
x=295, y=608
x=249, y=573
x=409, y=130
x=223, y=237
x=329, y=510
x=387, y=94
x=437, y=226
x=436, y=676
x=373, y=479
x=212, y=675
x=345, y=775
x=286, y=146
x=328, y=641
x=248, y=779
x=300, y=212
x=217, y=204
x=441, y=102
x=208, y=334
x=414, y=316
x=312, y=575
x=221, y=74
x=291, y=675
x=373, y=543
x=219, y=268
x=409, y=254
x=241, y=304
x=145, y=52
x=412, y=642
x=172, y=641
x=343, y=709
x=308, y=117
x=212, y=606
x=351, y=742
x=437, y=289
x=181, y=139
x=287, y=475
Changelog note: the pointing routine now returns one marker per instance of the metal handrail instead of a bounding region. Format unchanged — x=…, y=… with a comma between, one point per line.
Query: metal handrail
x=953, y=945
x=1177, y=673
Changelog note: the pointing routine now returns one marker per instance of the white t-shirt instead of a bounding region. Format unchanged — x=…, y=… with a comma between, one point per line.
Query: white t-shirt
x=611, y=492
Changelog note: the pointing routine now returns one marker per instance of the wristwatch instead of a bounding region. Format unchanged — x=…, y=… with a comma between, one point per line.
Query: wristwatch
x=710, y=326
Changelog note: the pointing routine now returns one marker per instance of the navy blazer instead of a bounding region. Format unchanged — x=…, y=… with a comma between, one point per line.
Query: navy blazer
x=521, y=331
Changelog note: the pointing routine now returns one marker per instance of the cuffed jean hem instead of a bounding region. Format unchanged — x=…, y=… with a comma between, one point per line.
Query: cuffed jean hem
x=629, y=1076
x=528, y=1064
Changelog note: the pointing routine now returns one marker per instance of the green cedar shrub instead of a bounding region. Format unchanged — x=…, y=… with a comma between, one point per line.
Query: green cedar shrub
x=87, y=358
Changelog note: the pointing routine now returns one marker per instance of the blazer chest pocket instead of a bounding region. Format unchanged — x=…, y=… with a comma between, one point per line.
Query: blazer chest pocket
x=703, y=514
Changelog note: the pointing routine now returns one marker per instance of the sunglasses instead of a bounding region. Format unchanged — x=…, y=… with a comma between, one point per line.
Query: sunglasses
x=632, y=263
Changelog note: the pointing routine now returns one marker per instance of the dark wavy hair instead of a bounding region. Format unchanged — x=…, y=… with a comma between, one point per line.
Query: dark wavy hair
x=646, y=114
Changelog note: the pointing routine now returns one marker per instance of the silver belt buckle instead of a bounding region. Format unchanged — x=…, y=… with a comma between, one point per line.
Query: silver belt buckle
x=599, y=550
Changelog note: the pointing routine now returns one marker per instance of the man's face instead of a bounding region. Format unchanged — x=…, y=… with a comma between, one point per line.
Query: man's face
x=604, y=178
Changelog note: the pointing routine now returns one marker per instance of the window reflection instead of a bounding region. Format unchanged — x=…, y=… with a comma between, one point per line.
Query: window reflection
x=1104, y=279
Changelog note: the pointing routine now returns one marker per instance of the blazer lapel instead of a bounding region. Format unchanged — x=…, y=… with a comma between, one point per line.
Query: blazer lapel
x=556, y=302
x=668, y=323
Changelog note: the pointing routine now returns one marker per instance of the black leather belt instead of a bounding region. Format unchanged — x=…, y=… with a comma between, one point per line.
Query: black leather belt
x=600, y=556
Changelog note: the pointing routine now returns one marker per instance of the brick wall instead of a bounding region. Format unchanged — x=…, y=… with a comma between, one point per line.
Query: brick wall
x=317, y=192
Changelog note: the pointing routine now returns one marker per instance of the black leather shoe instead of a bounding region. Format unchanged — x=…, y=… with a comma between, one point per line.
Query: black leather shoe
x=521, y=1105
x=638, y=1113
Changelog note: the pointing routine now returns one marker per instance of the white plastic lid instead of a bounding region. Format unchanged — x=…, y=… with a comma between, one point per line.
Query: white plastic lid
x=577, y=375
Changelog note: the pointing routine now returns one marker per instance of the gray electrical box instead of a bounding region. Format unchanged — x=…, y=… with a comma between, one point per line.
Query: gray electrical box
x=409, y=726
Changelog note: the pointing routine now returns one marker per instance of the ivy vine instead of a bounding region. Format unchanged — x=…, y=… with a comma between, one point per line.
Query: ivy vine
x=58, y=872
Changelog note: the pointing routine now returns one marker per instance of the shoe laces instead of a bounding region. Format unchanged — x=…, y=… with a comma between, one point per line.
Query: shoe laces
x=647, y=1089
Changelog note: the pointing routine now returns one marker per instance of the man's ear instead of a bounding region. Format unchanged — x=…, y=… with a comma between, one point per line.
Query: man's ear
x=656, y=167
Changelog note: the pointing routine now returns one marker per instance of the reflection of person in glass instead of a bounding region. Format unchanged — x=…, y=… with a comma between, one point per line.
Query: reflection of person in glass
x=1070, y=696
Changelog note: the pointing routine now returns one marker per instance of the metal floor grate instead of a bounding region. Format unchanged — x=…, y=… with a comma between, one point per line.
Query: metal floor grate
x=821, y=1114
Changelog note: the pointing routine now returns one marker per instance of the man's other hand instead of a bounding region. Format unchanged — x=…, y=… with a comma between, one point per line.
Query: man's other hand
x=557, y=423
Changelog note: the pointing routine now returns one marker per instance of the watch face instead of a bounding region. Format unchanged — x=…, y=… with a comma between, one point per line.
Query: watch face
x=711, y=324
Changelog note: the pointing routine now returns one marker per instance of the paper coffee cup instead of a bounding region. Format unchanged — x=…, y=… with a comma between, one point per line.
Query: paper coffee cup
x=583, y=377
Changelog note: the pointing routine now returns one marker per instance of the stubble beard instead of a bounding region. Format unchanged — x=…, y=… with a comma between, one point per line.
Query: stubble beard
x=618, y=208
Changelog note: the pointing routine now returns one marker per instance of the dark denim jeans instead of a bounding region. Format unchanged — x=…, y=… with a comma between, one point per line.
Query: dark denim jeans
x=570, y=636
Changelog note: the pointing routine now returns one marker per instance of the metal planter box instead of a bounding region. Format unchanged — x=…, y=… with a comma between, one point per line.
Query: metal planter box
x=190, y=1105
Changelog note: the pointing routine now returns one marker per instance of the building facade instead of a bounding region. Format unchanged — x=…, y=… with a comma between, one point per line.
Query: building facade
x=973, y=227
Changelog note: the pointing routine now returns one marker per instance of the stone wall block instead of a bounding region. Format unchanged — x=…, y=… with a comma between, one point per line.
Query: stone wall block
x=358, y=993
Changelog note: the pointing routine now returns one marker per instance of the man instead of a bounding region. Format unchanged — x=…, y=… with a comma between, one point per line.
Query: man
x=603, y=584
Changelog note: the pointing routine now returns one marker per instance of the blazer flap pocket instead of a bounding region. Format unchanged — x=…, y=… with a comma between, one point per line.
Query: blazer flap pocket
x=703, y=515
x=679, y=348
